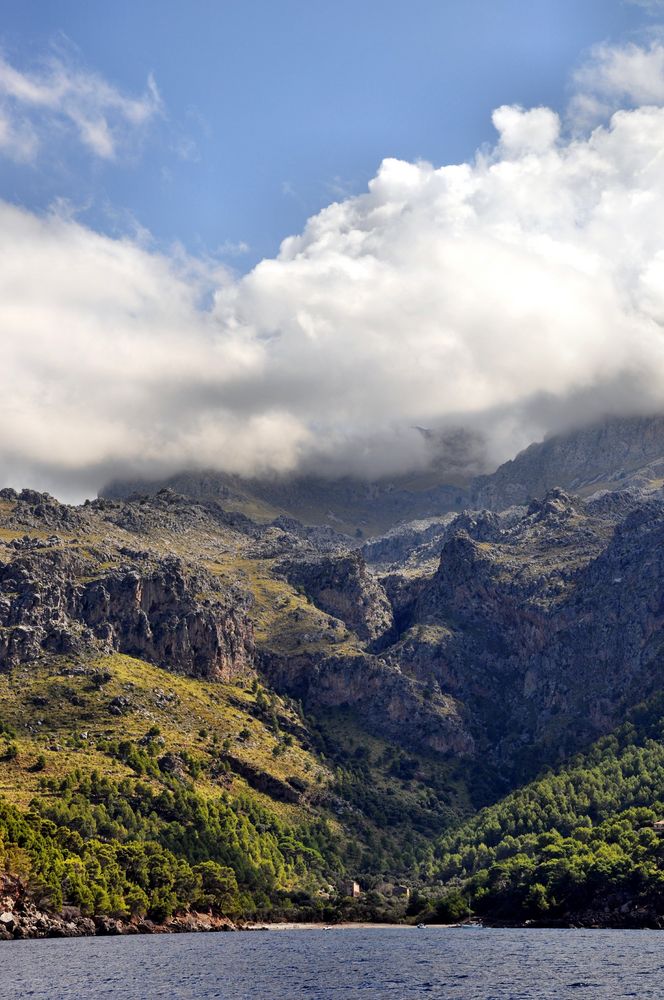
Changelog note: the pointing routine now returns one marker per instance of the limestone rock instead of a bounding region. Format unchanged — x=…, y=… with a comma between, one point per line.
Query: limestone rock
x=343, y=586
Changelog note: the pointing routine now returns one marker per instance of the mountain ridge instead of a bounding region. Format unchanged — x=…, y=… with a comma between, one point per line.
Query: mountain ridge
x=616, y=453
x=351, y=703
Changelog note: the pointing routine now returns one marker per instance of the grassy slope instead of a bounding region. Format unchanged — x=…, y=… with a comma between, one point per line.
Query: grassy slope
x=49, y=704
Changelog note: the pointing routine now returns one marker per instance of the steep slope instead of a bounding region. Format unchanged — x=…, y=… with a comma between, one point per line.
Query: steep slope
x=545, y=630
x=618, y=453
x=577, y=845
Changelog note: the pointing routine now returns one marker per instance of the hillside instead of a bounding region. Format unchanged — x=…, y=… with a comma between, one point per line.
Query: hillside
x=577, y=845
x=182, y=685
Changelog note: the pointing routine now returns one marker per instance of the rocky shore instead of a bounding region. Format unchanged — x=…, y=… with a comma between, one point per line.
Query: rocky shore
x=23, y=916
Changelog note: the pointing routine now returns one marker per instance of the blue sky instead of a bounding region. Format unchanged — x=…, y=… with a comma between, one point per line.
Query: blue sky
x=273, y=108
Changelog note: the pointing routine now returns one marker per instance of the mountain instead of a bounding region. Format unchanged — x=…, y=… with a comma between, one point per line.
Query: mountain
x=182, y=729
x=619, y=453
x=207, y=716
x=352, y=506
x=615, y=454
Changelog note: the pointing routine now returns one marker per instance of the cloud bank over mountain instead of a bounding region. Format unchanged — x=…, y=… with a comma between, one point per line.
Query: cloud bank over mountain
x=511, y=296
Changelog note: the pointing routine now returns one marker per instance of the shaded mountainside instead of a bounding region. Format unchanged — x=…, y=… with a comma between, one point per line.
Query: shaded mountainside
x=352, y=506
x=183, y=685
x=547, y=633
x=615, y=454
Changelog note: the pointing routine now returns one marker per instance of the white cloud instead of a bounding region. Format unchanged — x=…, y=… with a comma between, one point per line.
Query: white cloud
x=618, y=77
x=60, y=94
x=511, y=296
x=532, y=131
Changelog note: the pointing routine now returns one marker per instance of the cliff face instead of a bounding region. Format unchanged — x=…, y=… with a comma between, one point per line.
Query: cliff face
x=55, y=598
x=607, y=455
x=157, y=617
x=546, y=631
x=344, y=588
x=389, y=702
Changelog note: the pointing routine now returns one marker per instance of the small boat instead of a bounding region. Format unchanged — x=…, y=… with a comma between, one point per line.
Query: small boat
x=421, y=927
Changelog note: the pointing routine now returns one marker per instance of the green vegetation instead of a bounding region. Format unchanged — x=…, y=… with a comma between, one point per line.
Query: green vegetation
x=127, y=790
x=126, y=848
x=575, y=840
x=225, y=797
x=182, y=807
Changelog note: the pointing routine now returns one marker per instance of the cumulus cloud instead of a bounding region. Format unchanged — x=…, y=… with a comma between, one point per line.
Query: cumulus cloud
x=34, y=104
x=485, y=303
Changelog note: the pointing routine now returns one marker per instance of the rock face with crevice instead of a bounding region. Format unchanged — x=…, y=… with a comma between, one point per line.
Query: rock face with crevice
x=49, y=605
x=546, y=631
x=343, y=587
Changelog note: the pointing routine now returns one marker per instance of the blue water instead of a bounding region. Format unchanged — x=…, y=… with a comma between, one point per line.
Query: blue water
x=395, y=964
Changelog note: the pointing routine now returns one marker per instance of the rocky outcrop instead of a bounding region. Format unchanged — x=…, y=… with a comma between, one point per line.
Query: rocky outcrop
x=150, y=610
x=396, y=547
x=259, y=779
x=389, y=702
x=605, y=455
x=157, y=617
x=22, y=916
x=342, y=586
x=42, y=511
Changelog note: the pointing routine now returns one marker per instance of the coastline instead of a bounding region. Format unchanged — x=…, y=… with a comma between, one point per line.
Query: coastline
x=341, y=926
x=23, y=917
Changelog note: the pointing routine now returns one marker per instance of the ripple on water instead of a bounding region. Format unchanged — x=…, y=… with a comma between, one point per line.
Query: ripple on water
x=389, y=964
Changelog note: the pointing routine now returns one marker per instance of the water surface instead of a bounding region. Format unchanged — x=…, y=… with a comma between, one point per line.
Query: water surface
x=384, y=964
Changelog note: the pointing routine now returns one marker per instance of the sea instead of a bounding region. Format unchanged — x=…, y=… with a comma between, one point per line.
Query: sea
x=367, y=964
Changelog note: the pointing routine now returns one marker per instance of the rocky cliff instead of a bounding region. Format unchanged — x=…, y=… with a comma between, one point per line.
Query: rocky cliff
x=344, y=588
x=546, y=631
x=606, y=455
x=59, y=596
